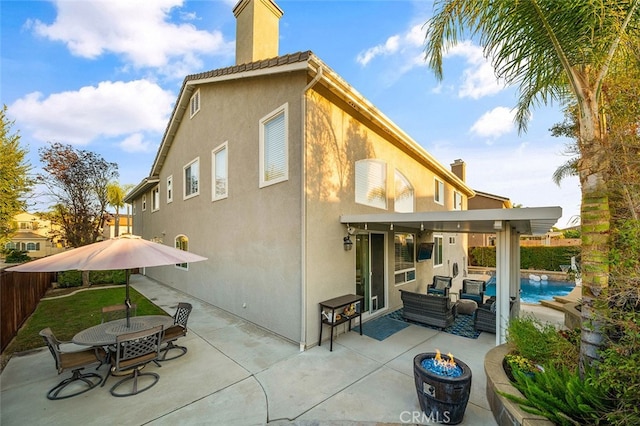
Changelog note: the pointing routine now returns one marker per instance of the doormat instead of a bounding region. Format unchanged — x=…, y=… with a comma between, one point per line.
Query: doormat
x=381, y=328
x=462, y=326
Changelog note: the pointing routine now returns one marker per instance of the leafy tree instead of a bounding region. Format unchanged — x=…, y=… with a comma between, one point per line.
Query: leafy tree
x=77, y=180
x=556, y=50
x=15, y=182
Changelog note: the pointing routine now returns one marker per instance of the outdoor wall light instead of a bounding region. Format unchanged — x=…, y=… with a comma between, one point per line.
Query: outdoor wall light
x=348, y=244
x=497, y=225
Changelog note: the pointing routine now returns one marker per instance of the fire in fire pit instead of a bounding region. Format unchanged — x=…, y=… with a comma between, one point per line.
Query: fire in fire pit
x=441, y=366
x=443, y=386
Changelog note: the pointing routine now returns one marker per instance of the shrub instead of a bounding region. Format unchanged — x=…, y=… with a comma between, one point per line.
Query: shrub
x=69, y=279
x=542, y=343
x=16, y=256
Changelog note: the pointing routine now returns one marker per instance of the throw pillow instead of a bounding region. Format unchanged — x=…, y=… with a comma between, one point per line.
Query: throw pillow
x=493, y=307
x=441, y=284
x=473, y=287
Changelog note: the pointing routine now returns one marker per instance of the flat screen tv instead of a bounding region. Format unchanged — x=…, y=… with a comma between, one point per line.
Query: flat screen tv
x=425, y=251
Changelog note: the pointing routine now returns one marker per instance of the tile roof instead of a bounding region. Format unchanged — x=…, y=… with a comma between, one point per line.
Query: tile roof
x=251, y=66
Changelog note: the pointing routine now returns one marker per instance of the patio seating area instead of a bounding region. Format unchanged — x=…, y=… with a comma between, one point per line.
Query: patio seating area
x=237, y=373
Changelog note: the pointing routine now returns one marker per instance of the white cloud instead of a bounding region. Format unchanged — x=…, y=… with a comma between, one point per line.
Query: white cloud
x=478, y=76
x=111, y=109
x=139, y=31
x=137, y=143
x=494, y=123
x=409, y=45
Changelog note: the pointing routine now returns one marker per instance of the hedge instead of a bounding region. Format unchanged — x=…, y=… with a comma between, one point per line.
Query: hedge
x=540, y=258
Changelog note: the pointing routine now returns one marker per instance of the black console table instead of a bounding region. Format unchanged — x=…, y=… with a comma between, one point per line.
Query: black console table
x=335, y=306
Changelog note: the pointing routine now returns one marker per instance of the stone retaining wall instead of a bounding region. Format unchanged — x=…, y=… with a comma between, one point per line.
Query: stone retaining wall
x=506, y=413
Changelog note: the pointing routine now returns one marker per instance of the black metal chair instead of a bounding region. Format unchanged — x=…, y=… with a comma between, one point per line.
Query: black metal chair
x=440, y=285
x=132, y=352
x=177, y=330
x=74, y=361
x=473, y=290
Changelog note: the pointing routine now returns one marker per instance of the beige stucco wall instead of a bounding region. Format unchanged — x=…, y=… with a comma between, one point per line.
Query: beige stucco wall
x=251, y=238
x=337, y=136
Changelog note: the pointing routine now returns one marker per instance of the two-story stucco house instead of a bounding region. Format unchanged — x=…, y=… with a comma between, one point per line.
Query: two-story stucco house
x=257, y=166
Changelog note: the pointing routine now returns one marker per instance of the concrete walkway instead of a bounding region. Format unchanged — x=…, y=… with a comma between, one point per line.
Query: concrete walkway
x=236, y=373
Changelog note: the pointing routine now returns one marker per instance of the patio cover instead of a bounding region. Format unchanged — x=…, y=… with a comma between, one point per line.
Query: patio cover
x=507, y=224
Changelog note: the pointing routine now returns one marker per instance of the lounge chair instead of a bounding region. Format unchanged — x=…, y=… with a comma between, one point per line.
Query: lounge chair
x=440, y=285
x=485, y=316
x=473, y=290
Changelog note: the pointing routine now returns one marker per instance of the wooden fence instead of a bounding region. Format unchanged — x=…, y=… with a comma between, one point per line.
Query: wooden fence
x=20, y=294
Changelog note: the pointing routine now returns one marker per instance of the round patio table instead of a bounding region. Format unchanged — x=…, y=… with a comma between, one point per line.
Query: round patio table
x=105, y=334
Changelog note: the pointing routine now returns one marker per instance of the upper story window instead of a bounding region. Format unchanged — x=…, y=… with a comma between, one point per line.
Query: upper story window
x=182, y=243
x=404, y=194
x=194, y=103
x=144, y=202
x=457, y=200
x=191, y=179
x=220, y=173
x=437, y=250
x=405, y=266
x=371, y=183
x=169, y=189
x=438, y=191
x=155, y=199
x=274, y=155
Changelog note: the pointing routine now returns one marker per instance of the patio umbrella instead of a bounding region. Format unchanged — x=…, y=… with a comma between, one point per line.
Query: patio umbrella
x=125, y=252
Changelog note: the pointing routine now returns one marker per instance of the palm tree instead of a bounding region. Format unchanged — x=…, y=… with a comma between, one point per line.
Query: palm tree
x=555, y=50
x=115, y=196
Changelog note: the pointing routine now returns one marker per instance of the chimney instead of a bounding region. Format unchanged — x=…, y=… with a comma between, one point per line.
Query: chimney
x=459, y=169
x=257, y=30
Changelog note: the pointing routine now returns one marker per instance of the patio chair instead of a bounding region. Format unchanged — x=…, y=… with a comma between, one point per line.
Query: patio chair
x=134, y=351
x=485, y=316
x=177, y=330
x=115, y=312
x=74, y=361
x=474, y=290
x=440, y=285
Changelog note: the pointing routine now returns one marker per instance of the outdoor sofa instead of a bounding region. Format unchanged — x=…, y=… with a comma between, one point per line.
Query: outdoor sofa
x=428, y=309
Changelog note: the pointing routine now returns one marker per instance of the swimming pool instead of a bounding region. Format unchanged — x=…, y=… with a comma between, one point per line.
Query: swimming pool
x=535, y=291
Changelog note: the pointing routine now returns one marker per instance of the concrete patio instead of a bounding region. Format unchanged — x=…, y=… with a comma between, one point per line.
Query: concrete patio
x=236, y=373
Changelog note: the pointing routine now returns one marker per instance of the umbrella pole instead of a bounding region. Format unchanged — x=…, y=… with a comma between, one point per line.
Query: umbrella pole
x=127, y=302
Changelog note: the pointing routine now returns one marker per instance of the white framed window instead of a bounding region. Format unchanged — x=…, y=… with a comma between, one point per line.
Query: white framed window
x=144, y=202
x=274, y=142
x=371, y=183
x=220, y=173
x=404, y=194
x=405, y=258
x=155, y=199
x=437, y=250
x=194, y=103
x=169, y=189
x=457, y=200
x=191, y=179
x=182, y=243
x=438, y=191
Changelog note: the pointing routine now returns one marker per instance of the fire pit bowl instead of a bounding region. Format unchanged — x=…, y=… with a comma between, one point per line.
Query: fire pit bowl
x=443, y=397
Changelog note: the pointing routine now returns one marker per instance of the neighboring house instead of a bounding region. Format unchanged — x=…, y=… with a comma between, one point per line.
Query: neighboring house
x=257, y=165
x=39, y=238
x=484, y=200
x=125, y=225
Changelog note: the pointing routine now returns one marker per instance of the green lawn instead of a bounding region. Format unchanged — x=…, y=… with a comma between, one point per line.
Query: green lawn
x=68, y=315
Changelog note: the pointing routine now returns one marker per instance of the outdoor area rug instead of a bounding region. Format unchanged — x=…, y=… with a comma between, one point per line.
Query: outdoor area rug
x=381, y=328
x=462, y=326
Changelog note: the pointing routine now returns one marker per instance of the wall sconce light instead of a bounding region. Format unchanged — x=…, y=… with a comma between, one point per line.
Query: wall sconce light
x=391, y=227
x=348, y=244
x=422, y=226
x=497, y=225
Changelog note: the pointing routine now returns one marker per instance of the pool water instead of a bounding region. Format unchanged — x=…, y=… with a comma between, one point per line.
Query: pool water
x=535, y=291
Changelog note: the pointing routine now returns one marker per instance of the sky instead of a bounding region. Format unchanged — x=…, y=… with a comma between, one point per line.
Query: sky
x=103, y=76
